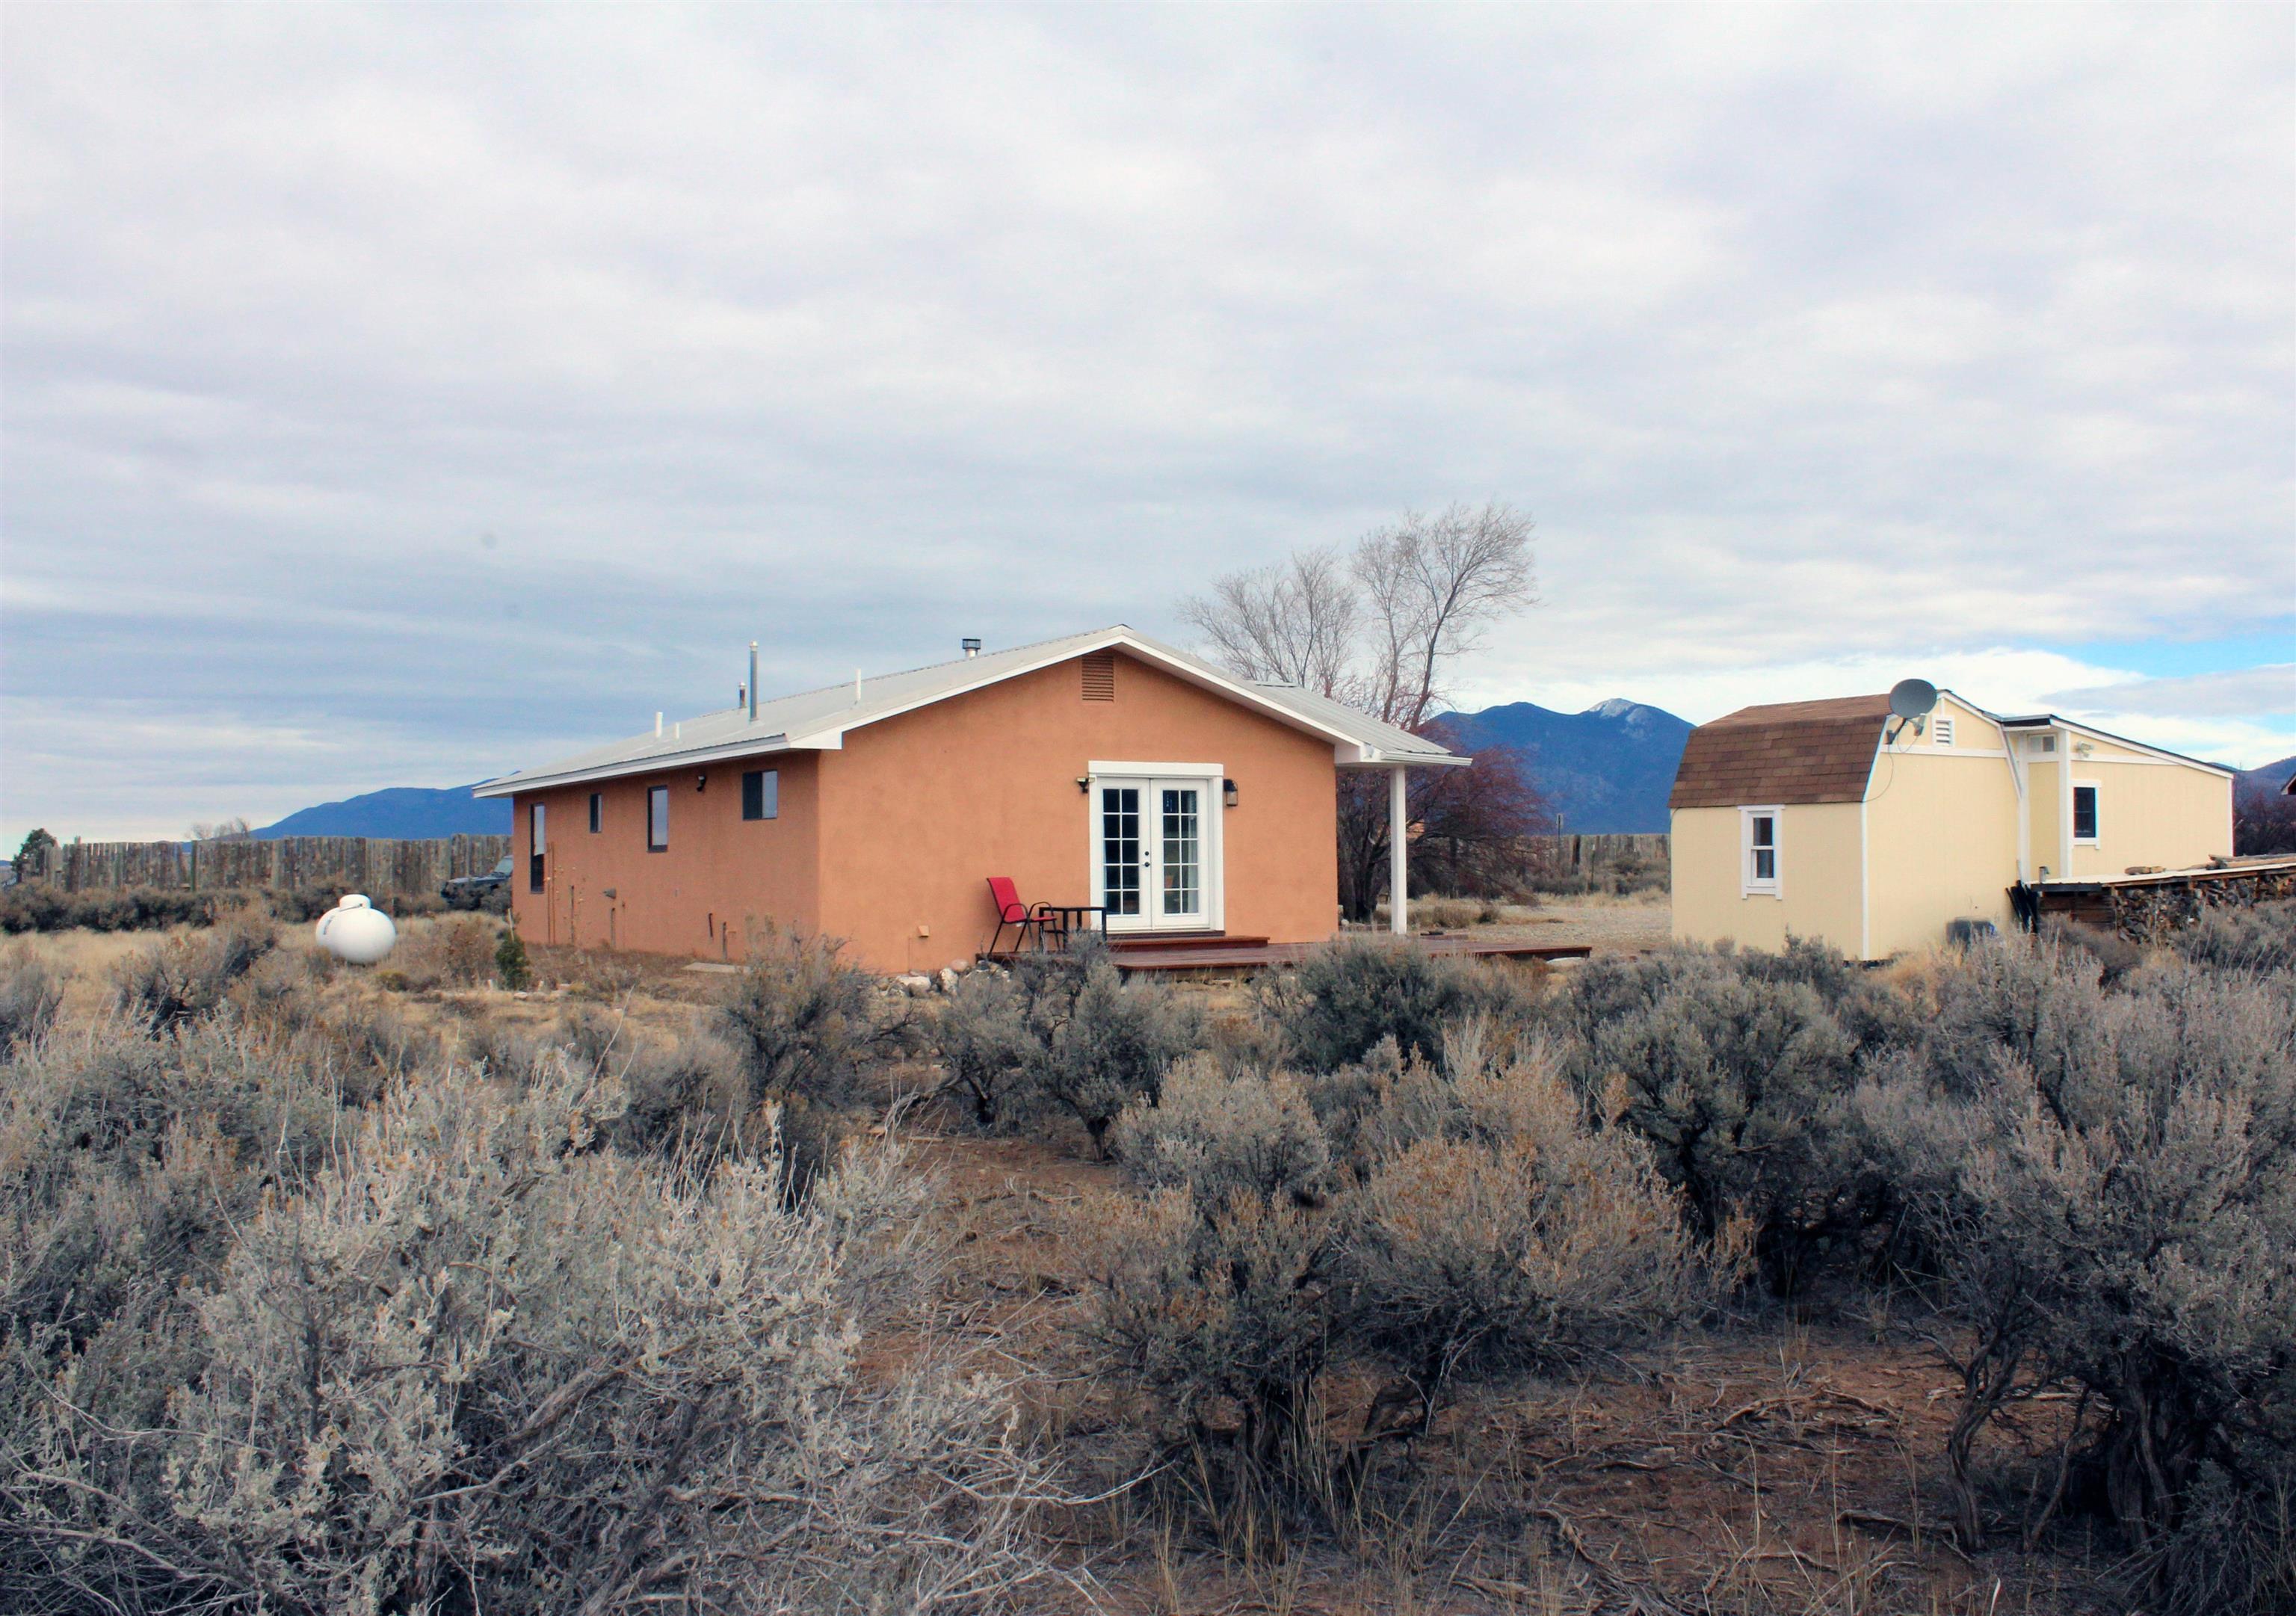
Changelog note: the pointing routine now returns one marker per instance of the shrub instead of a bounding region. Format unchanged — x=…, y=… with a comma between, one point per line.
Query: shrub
x=165, y=986
x=804, y=1021
x=1062, y=1032
x=1479, y=1226
x=39, y=906
x=2258, y=941
x=30, y=994
x=306, y=903
x=460, y=951
x=1108, y=1045
x=1738, y=1083
x=2108, y=1185
x=510, y=966
x=1532, y=1248
x=1216, y=1316
x=986, y=1045
x=1216, y=1136
x=1342, y=1000
x=476, y=1361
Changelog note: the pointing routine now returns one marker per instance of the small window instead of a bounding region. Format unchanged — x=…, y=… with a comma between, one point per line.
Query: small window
x=1945, y=732
x=535, y=845
x=597, y=812
x=658, y=819
x=761, y=793
x=2084, y=813
x=1760, y=829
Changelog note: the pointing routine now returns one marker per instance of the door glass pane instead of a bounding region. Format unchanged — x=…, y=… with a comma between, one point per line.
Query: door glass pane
x=1183, y=865
x=1119, y=849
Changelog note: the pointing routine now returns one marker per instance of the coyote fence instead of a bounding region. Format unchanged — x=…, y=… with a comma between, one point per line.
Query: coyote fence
x=1573, y=856
x=353, y=864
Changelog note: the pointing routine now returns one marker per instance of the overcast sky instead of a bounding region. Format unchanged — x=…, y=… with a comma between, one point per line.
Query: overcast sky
x=400, y=395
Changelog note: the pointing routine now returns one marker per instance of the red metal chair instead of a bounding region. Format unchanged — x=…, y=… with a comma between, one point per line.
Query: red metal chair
x=1011, y=912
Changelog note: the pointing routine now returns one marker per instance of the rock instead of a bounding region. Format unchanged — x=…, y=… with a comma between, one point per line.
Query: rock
x=917, y=984
x=959, y=965
x=948, y=979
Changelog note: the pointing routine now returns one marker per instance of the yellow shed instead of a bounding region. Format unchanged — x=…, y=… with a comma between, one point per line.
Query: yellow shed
x=1834, y=820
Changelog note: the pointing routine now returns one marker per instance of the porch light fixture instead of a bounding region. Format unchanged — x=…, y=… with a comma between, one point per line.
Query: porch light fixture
x=1084, y=783
x=701, y=781
x=1228, y=792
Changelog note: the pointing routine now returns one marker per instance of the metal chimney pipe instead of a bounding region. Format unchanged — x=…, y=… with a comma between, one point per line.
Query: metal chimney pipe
x=753, y=681
x=970, y=646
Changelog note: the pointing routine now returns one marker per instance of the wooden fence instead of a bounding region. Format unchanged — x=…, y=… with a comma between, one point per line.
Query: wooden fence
x=350, y=864
x=1581, y=855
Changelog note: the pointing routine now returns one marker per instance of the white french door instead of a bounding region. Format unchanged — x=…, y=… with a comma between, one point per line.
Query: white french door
x=1155, y=851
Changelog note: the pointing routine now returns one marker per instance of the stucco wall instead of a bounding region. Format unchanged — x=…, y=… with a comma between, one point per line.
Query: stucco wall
x=1818, y=870
x=918, y=811
x=1941, y=845
x=720, y=875
x=889, y=842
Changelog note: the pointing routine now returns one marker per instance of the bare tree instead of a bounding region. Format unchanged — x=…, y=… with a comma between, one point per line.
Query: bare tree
x=234, y=829
x=1381, y=627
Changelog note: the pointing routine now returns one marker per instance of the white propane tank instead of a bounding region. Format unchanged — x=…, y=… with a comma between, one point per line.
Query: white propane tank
x=357, y=932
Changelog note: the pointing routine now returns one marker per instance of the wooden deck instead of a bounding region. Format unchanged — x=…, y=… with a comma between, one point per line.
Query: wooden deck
x=1134, y=956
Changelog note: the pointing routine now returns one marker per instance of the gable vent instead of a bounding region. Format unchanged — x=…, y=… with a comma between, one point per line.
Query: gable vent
x=1099, y=676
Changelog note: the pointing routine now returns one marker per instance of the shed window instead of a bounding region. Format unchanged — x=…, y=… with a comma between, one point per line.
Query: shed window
x=761, y=793
x=535, y=848
x=658, y=819
x=597, y=812
x=2084, y=813
x=1758, y=836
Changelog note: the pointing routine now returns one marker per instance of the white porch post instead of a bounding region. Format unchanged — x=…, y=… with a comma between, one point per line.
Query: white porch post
x=1398, y=841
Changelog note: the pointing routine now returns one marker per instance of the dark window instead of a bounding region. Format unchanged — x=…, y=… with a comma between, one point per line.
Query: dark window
x=535, y=848
x=2084, y=813
x=1765, y=839
x=658, y=819
x=597, y=812
x=761, y=793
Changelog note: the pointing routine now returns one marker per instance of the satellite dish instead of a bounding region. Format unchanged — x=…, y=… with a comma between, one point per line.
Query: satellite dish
x=1912, y=699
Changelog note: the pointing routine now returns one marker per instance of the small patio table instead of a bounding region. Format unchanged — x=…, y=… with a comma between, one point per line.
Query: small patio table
x=1069, y=917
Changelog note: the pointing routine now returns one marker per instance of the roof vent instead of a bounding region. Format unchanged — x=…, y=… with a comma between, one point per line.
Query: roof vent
x=970, y=646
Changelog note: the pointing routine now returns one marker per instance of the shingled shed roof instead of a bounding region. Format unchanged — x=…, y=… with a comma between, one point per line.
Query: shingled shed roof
x=1794, y=752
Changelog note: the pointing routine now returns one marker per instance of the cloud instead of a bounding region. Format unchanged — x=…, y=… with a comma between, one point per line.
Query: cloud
x=457, y=382
x=2234, y=693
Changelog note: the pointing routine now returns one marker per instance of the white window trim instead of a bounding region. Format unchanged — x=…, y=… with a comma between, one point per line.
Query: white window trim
x=1101, y=771
x=2072, y=819
x=1748, y=887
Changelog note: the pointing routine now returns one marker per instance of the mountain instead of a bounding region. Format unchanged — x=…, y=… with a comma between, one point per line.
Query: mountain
x=411, y=812
x=1606, y=769
x=2268, y=779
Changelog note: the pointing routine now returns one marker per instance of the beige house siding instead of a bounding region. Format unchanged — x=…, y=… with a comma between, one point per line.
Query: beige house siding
x=2150, y=813
x=1941, y=829
x=2044, y=817
x=1819, y=873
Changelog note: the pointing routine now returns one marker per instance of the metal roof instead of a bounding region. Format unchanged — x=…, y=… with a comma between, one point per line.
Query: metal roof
x=2049, y=720
x=816, y=720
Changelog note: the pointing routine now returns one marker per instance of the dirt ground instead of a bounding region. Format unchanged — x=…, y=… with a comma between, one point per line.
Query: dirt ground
x=1613, y=925
x=1767, y=1464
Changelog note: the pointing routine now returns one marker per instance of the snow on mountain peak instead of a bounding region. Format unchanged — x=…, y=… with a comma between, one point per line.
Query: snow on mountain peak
x=1616, y=707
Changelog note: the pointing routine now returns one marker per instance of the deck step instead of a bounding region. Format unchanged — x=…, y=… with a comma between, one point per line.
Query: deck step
x=1182, y=940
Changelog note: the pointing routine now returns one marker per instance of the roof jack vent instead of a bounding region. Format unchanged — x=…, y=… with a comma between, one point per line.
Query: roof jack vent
x=970, y=646
x=753, y=681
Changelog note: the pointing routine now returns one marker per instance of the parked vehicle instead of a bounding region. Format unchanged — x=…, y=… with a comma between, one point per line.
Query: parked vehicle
x=472, y=891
